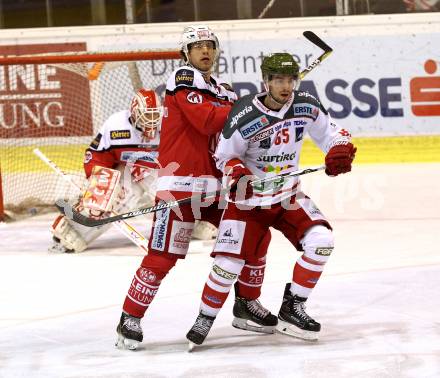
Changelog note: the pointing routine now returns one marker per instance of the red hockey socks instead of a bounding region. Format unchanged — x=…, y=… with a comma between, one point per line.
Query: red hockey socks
x=145, y=284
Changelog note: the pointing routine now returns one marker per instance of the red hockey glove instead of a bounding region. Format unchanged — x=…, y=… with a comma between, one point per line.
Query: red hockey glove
x=338, y=160
x=238, y=179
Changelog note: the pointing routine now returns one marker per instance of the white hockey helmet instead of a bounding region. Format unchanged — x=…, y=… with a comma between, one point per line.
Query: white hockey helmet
x=196, y=33
x=146, y=112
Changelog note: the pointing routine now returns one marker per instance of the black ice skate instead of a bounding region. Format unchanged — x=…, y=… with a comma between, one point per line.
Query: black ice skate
x=199, y=330
x=293, y=320
x=250, y=315
x=129, y=332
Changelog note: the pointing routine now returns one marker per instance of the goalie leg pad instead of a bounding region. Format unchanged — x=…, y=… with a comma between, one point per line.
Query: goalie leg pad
x=67, y=235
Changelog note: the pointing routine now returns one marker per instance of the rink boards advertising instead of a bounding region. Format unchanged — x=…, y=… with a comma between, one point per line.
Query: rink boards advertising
x=382, y=81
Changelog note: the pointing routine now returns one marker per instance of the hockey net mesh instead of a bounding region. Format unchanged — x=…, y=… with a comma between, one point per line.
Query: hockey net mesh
x=59, y=108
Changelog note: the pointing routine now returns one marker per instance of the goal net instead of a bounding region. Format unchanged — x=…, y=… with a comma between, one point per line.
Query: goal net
x=57, y=100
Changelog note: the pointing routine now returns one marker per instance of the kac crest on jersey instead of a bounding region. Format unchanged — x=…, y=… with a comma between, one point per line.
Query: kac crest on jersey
x=194, y=98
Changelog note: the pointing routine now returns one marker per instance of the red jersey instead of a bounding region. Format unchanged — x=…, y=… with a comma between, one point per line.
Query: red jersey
x=196, y=112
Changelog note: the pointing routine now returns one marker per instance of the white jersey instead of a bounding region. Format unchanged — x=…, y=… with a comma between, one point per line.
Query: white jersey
x=269, y=142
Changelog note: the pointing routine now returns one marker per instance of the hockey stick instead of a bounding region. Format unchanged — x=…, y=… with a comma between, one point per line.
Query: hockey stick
x=286, y=175
x=68, y=210
x=77, y=217
x=312, y=37
x=129, y=231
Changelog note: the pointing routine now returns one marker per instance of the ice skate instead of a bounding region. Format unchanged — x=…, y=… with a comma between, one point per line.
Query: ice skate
x=199, y=330
x=293, y=320
x=129, y=332
x=250, y=315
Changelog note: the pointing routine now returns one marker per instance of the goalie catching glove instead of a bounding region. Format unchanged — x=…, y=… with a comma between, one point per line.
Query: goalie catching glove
x=338, y=160
x=238, y=179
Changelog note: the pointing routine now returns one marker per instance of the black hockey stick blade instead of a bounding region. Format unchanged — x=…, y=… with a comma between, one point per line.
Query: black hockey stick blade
x=312, y=37
x=79, y=218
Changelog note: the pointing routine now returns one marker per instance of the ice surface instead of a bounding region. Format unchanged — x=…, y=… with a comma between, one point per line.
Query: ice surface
x=378, y=299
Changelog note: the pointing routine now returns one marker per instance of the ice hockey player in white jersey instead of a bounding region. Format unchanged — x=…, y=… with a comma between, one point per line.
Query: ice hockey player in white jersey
x=126, y=150
x=262, y=138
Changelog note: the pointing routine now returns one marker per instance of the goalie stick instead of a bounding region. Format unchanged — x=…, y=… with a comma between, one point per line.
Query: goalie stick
x=129, y=231
x=77, y=217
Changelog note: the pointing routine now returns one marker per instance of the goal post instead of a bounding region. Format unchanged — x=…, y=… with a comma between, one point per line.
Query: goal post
x=57, y=101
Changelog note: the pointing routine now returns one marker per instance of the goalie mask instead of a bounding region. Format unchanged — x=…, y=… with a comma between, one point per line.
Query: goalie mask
x=146, y=112
x=197, y=33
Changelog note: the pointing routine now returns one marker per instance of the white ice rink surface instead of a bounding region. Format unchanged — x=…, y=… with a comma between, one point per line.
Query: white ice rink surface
x=378, y=300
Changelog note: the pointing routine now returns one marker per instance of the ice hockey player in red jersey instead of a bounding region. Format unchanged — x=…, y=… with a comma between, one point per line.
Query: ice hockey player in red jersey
x=127, y=142
x=197, y=104
x=263, y=137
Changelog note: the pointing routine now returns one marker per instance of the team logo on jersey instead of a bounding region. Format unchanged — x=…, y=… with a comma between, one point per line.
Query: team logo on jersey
x=254, y=126
x=185, y=77
x=299, y=133
x=96, y=141
x=120, y=134
x=194, y=98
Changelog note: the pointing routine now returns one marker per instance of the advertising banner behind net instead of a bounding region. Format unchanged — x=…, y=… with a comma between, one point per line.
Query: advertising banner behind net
x=373, y=85
x=38, y=100
x=382, y=79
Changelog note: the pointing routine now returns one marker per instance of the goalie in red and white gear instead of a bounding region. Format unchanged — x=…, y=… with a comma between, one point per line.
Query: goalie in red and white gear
x=121, y=167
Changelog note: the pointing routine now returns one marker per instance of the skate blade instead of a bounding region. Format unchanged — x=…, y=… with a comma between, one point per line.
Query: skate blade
x=124, y=343
x=249, y=325
x=292, y=330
